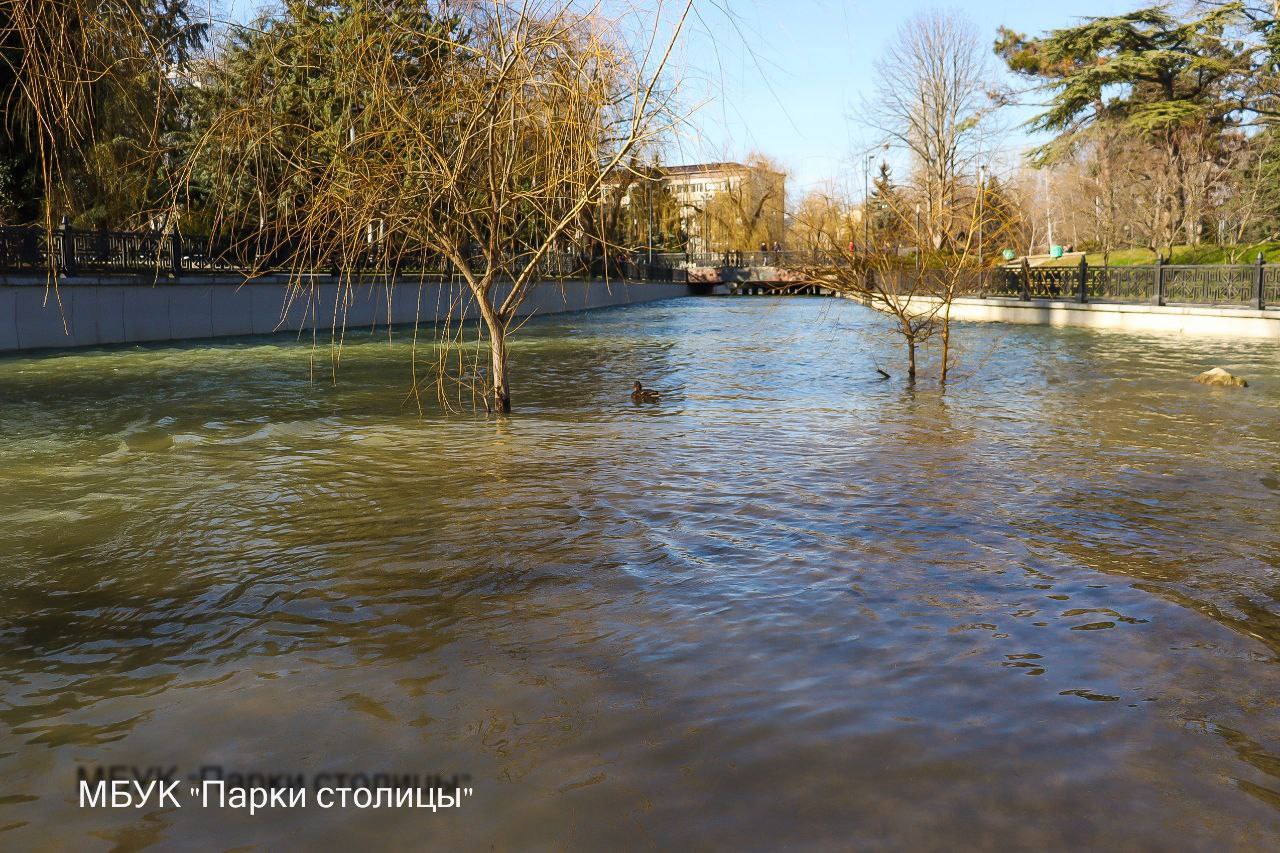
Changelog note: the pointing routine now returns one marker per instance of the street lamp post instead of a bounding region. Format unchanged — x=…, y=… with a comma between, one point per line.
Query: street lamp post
x=919, y=245
x=866, y=203
x=648, y=203
x=1048, y=209
x=982, y=191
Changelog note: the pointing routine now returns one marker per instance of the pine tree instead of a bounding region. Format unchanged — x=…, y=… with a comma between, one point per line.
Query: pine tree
x=1174, y=85
x=284, y=74
x=1145, y=69
x=886, y=209
x=90, y=108
x=651, y=216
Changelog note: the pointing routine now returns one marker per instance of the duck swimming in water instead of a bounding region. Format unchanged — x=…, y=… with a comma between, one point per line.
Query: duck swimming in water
x=641, y=394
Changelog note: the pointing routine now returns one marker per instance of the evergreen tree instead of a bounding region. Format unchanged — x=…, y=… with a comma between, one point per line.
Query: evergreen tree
x=90, y=108
x=1145, y=69
x=651, y=215
x=887, y=209
x=277, y=96
x=1174, y=85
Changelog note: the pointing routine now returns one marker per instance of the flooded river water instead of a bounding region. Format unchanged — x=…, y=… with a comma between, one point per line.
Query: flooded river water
x=789, y=604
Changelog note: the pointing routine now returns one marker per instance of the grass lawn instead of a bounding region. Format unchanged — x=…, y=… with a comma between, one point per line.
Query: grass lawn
x=1203, y=254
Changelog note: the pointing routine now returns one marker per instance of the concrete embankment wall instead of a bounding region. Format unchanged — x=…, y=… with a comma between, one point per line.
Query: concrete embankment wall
x=95, y=312
x=1181, y=319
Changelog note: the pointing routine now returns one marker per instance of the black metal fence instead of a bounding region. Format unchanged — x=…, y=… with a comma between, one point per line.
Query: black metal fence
x=1255, y=285
x=76, y=252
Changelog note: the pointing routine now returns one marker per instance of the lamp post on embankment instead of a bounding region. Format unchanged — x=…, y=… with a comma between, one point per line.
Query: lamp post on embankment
x=982, y=191
x=866, y=202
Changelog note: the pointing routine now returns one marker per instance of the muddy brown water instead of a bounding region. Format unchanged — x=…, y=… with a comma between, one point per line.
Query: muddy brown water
x=789, y=604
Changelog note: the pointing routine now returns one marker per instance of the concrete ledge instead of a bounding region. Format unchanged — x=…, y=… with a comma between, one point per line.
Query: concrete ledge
x=1128, y=317
x=99, y=312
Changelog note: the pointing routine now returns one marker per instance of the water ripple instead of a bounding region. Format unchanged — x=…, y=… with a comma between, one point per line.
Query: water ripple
x=788, y=605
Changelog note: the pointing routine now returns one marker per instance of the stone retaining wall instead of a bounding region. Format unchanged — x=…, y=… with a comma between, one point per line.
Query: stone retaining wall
x=95, y=312
x=1181, y=319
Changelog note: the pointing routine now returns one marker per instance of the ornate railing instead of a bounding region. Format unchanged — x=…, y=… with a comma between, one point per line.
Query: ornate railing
x=25, y=249
x=114, y=251
x=1212, y=285
x=1271, y=285
x=74, y=252
x=1121, y=284
x=716, y=260
x=1255, y=285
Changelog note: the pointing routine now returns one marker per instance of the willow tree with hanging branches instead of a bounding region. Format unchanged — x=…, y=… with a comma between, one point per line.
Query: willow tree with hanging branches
x=477, y=136
x=90, y=108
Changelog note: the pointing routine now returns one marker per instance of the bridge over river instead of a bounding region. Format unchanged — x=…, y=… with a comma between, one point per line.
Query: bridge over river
x=746, y=273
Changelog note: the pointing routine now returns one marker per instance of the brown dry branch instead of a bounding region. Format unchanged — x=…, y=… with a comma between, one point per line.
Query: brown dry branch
x=87, y=86
x=932, y=105
x=911, y=281
x=470, y=155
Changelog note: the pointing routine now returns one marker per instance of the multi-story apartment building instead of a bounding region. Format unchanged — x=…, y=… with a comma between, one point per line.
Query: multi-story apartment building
x=729, y=206
x=719, y=206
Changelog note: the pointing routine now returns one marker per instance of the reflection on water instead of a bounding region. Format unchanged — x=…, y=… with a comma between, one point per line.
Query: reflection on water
x=790, y=604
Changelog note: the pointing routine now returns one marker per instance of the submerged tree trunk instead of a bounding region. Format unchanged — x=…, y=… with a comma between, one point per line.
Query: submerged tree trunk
x=911, y=358
x=495, y=325
x=498, y=352
x=948, y=295
x=946, y=342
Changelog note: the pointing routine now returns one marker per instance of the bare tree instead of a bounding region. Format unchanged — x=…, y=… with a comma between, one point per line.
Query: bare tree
x=932, y=99
x=822, y=221
x=885, y=283
x=932, y=102
x=915, y=287
x=479, y=133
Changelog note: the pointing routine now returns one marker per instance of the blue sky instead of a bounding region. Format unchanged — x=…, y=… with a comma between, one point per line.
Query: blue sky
x=785, y=77
x=796, y=94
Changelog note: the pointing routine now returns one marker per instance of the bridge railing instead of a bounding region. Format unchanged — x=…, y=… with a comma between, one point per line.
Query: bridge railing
x=717, y=260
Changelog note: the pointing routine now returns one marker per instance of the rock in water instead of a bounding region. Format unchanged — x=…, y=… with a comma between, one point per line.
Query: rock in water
x=1219, y=377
